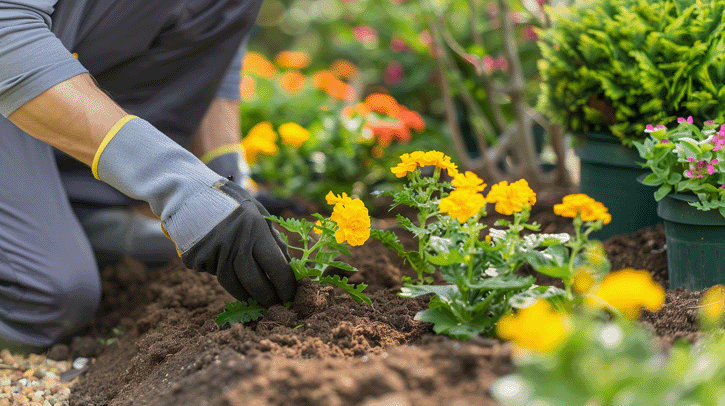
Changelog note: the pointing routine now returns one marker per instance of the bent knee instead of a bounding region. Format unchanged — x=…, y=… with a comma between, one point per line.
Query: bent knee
x=43, y=305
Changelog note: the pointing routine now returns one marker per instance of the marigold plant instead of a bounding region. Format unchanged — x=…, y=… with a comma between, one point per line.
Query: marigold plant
x=321, y=244
x=480, y=269
x=551, y=326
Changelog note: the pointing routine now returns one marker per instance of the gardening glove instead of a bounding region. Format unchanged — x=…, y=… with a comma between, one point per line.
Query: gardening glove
x=216, y=225
x=229, y=161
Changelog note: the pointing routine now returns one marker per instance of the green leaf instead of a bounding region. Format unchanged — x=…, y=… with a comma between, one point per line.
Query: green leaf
x=355, y=291
x=291, y=224
x=451, y=257
x=652, y=180
x=528, y=297
x=410, y=290
x=663, y=191
x=508, y=282
x=240, y=312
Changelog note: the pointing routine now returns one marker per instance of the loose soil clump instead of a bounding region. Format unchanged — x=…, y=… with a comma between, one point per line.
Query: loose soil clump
x=326, y=349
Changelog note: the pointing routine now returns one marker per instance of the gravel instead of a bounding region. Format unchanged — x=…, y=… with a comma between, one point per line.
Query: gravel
x=32, y=380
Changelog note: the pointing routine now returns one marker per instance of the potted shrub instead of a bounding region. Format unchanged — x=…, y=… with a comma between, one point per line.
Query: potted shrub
x=611, y=67
x=687, y=164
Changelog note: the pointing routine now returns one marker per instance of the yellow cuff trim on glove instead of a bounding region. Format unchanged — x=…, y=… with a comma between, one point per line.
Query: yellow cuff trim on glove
x=114, y=130
x=223, y=150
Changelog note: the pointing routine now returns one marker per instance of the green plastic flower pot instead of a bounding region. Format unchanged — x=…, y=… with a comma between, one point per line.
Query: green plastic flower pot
x=695, y=243
x=608, y=173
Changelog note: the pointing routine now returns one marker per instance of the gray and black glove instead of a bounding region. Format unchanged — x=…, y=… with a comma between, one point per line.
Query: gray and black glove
x=216, y=225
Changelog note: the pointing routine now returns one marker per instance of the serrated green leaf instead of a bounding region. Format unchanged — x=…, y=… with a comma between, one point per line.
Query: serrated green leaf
x=240, y=312
x=508, y=282
x=355, y=291
x=528, y=297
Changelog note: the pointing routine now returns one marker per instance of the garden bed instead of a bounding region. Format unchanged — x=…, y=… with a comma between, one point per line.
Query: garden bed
x=326, y=349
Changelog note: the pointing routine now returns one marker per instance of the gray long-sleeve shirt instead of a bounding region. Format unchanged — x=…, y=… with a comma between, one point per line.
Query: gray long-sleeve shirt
x=32, y=58
x=34, y=55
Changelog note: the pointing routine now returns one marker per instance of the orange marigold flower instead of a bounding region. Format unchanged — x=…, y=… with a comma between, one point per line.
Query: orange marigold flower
x=292, y=59
x=340, y=90
x=362, y=109
x=511, y=198
x=462, y=204
x=385, y=131
x=581, y=205
x=383, y=104
x=292, y=82
x=343, y=69
x=468, y=180
x=411, y=119
x=247, y=87
x=257, y=64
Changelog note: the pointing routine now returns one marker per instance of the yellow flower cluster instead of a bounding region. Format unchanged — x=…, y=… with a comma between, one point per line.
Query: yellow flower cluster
x=411, y=162
x=468, y=180
x=538, y=327
x=465, y=201
x=511, y=198
x=628, y=291
x=352, y=219
x=584, y=206
x=260, y=140
x=462, y=204
x=293, y=134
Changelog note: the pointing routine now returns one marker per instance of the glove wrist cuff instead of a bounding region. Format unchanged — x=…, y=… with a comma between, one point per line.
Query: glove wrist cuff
x=143, y=163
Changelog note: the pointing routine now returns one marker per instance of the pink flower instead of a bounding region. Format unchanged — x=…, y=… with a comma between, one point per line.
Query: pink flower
x=649, y=128
x=530, y=34
x=665, y=140
x=502, y=63
x=365, y=34
x=709, y=122
x=682, y=120
x=489, y=64
x=691, y=159
x=719, y=139
x=700, y=168
x=393, y=73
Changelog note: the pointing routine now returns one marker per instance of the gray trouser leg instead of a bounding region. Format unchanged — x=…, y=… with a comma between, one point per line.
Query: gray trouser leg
x=49, y=281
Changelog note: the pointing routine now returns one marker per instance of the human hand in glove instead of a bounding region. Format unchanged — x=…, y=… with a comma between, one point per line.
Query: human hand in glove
x=216, y=225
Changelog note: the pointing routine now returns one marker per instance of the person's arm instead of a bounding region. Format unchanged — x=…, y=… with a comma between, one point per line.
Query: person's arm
x=216, y=225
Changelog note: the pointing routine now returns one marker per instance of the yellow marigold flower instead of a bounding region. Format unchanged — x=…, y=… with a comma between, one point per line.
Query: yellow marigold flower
x=260, y=139
x=257, y=64
x=629, y=290
x=489, y=239
x=511, y=198
x=316, y=229
x=409, y=163
x=293, y=134
x=712, y=307
x=353, y=221
x=468, y=180
x=343, y=69
x=538, y=327
x=584, y=206
x=462, y=204
x=292, y=82
x=440, y=160
x=247, y=86
x=333, y=199
x=292, y=59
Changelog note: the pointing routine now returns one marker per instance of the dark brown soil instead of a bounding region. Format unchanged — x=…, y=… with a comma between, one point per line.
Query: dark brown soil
x=325, y=350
